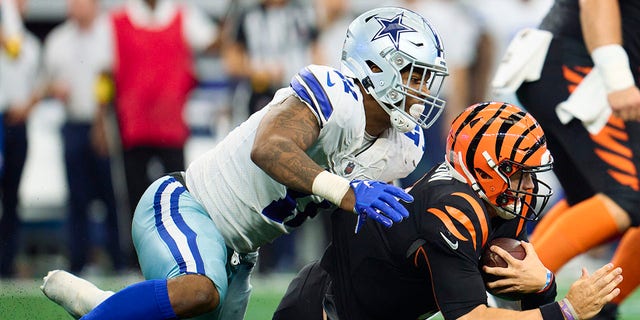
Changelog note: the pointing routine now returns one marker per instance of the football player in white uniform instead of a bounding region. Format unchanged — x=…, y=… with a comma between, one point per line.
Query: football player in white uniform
x=330, y=139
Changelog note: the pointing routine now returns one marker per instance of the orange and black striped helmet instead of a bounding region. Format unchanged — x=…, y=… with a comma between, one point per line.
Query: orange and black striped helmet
x=490, y=144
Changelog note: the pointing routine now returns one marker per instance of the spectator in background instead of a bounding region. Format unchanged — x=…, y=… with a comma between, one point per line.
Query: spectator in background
x=75, y=56
x=19, y=73
x=269, y=43
x=154, y=43
x=334, y=17
x=516, y=14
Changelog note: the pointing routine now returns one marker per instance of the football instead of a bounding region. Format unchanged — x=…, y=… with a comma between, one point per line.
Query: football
x=513, y=246
x=492, y=259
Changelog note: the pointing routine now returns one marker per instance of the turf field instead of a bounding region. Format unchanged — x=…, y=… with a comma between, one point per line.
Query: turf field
x=22, y=299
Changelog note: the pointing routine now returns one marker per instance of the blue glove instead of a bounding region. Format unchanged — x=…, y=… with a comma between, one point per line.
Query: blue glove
x=378, y=200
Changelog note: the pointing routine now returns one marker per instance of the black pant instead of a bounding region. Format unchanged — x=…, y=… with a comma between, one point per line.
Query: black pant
x=140, y=166
x=15, y=154
x=88, y=178
x=305, y=295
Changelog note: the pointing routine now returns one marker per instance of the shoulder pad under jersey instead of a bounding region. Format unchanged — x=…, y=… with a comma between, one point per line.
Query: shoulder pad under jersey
x=327, y=92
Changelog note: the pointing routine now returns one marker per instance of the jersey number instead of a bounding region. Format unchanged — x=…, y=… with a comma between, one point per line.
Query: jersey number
x=347, y=83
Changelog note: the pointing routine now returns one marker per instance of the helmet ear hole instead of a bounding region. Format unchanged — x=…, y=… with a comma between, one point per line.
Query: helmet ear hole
x=482, y=174
x=502, y=200
x=374, y=67
x=506, y=168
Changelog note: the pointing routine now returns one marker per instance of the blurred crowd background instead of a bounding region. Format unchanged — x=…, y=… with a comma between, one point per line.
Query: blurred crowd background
x=256, y=46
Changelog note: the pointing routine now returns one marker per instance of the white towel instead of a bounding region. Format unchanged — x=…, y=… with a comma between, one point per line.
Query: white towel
x=522, y=61
x=588, y=103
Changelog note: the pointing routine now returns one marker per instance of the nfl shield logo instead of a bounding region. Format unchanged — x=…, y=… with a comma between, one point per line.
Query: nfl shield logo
x=349, y=168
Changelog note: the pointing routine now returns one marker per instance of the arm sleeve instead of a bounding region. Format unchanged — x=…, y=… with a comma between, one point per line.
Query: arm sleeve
x=533, y=301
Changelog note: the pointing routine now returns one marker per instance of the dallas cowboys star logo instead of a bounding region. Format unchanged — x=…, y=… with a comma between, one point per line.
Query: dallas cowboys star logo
x=392, y=28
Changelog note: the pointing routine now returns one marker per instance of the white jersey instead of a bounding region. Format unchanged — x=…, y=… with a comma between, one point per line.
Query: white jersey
x=250, y=208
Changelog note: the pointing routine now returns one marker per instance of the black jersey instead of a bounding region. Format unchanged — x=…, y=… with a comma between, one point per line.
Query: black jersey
x=427, y=263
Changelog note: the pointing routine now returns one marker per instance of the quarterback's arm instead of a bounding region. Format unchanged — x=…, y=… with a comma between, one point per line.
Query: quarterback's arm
x=286, y=131
x=584, y=300
x=602, y=32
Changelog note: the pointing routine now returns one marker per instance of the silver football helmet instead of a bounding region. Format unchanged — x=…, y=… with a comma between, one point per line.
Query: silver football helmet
x=397, y=39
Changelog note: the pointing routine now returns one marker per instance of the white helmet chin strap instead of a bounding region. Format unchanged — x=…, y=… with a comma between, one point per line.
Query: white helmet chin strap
x=399, y=120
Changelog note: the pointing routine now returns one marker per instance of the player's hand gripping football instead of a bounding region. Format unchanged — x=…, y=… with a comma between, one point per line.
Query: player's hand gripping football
x=528, y=275
x=379, y=201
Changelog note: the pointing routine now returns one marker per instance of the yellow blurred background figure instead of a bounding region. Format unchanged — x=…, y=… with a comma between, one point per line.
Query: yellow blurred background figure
x=11, y=35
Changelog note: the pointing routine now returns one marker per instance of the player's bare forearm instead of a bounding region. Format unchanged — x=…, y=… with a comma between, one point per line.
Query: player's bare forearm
x=286, y=131
x=601, y=23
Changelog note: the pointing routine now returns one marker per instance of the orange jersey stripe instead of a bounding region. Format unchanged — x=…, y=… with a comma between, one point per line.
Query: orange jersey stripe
x=477, y=208
x=609, y=138
x=433, y=280
x=417, y=255
x=465, y=221
x=615, y=122
x=448, y=223
x=583, y=70
x=624, y=179
x=619, y=162
x=572, y=76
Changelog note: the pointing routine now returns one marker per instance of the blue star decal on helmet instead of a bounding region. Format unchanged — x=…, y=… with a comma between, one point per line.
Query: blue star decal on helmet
x=392, y=28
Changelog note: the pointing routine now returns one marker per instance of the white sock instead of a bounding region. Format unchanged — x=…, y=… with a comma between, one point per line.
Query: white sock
x=74, y=294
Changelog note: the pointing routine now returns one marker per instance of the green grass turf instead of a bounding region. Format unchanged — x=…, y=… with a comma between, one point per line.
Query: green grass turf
x=23, y=300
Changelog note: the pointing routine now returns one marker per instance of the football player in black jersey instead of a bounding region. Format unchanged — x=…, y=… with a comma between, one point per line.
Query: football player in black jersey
x=594, y=60
x=486, y=188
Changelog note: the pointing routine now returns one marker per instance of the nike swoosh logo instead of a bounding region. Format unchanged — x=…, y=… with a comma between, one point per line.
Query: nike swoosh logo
x=453, y=245
x=329, y=83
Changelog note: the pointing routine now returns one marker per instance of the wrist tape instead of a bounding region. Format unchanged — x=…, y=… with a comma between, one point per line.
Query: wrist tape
x=330, y=186
x=613, y=63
